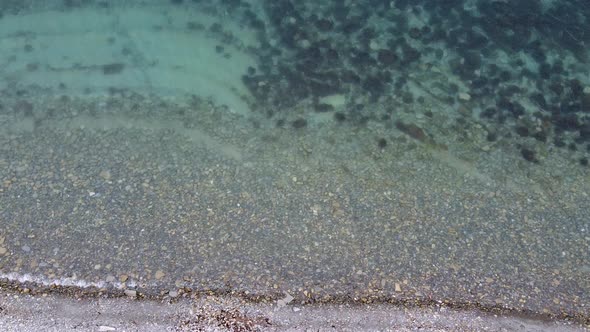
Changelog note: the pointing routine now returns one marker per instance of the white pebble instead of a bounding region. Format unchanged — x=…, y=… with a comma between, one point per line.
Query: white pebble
x=131, y=293
x=464, y=96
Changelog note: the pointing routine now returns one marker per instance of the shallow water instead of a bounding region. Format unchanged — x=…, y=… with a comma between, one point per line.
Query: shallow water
x=381, y=151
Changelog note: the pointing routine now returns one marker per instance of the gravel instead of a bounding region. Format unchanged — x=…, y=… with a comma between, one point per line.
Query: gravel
x=24, y=313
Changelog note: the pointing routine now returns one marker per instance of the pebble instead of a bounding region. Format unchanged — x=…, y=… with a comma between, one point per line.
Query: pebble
x=105, y=174
x=284, y=301
x=3, y=250
x=374, y=45
x=337, y=100
x=173, y=293
x=104, y=328
x=305, y=43
x=464, y=96
x=131, y=293
x=160, y=274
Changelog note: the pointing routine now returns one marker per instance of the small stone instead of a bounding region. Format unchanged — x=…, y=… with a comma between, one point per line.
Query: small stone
x=123, y=277
x=464, y=96
x=130, y=293
x=173, y=293
x=160, y=274
x=464, y=110
x=97, y=267
x=374, y=45
x=104, y=328
x=3, y=250
x=304, y=43
x=105, y=174
x=398, y=287
x=299, y=123
x=336, y=100
x=284, y=301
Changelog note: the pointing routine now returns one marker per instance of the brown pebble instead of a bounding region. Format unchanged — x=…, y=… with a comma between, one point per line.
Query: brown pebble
x=411, y=130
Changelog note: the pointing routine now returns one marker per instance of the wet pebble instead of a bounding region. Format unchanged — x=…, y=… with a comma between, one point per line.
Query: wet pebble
x=464, y=96
x=105, y=174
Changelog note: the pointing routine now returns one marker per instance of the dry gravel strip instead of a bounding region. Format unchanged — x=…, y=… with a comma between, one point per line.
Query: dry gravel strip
x=24, y=313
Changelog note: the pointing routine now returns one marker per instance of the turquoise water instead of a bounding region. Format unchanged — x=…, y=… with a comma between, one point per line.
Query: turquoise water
x=409, y=152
